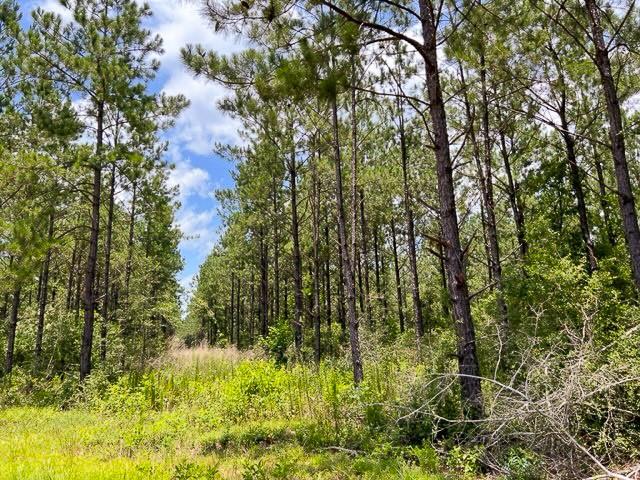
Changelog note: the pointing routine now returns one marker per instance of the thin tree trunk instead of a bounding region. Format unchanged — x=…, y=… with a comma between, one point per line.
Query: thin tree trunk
x=264, y=286
x=78, y=293
x=315, y=219
x=72, y=268
x=359, y=289
x=347, y=266
x=286, y=301
x=297, y=260
x=42, y=300
x=232, y=308
x=376, y=258
x=485, y=180
x=276, y=254
x=446, y=301
x=107, y=267
x=238, y=314
x=492, y=228
x=251, y=309
x=480, y=172
x=576, y=184
x=125, y=321
x=616, y=134
x=411, y=236
x=11, y=330
x=90, y=271
x=365, y=258
x=341, y=296
x=514, y=200
x=327, y=274
x=355, y=252
x=574, y=171
x=396, y=268
x=604, y=204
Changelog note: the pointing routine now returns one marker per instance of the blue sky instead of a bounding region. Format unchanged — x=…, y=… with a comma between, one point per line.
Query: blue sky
x=198, y=172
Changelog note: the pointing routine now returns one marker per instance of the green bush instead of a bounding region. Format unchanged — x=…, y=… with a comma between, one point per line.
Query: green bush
x=186, y=470
x=278, y=341
x=522, y=464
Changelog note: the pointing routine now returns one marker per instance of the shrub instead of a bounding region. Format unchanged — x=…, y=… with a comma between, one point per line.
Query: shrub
x=522, y=464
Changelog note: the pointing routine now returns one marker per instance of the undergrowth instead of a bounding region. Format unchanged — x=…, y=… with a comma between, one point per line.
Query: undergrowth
x=210, y=413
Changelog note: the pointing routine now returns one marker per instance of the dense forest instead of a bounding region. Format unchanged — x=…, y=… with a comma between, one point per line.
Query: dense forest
x=429, y=263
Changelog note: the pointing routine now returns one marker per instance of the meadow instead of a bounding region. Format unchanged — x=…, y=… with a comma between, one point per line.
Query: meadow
x=209, y=413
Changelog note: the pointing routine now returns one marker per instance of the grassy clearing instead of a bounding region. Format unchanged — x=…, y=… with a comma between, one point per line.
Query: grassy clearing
x=80, y=445
x=213, y=413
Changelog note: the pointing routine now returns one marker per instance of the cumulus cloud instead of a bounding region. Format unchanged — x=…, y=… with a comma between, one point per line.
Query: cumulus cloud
x=191, y=181
x=198, y=229
x=202, y=125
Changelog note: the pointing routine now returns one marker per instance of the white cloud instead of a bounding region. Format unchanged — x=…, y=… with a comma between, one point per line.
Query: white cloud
x=53, y=6
x=198, y=228
x=202, y=125
x=190, y=180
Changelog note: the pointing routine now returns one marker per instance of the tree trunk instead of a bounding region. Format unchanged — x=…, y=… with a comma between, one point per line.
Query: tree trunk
x=327, y=274
x=359, y=288
x=232, y=309
x=446, y=301
x=616, y=134
x=355, y=251
x=78, y=292
x=297, y=260
x=604, y=204
x=107, y=267
x=492, y=228
x=341, y=295
x=72, y=268
x=485, y=181
x=468, y=365
x=252, y=312
x=264, y=286
x=42, y=300
x=396, y=267
x=90, y=271
x=411, y=236
x=480, y=172
x=125, y=321
x=11, y=330
x=347, y=266
x=286, y=301
x=251, y=309
x=576, y=184
x=276, y=254
x=238, y=314
x=514, y=200
x=315, y=219
x=365, y=259
x=382, y=298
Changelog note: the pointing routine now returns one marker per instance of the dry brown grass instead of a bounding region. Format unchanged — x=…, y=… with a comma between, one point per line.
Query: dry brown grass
x=180, y=357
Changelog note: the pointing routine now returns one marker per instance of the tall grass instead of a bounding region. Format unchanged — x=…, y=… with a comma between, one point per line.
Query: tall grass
x=218, y=413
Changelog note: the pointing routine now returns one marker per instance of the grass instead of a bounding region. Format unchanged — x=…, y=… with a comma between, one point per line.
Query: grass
x=220, y=414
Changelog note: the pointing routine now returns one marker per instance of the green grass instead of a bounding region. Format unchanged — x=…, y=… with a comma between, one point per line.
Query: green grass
x=42, y=443
x=216, y=415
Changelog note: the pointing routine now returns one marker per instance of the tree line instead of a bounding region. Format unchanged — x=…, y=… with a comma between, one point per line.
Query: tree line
x=88, y=243
x=452, y=172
